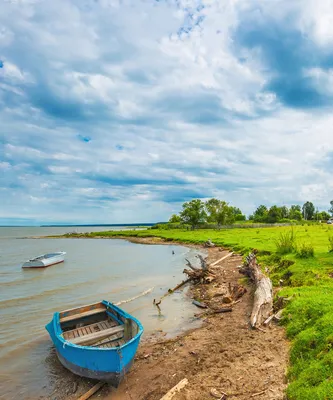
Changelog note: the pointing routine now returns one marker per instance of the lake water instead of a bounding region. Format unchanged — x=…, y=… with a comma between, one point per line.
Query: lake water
x=94, y=269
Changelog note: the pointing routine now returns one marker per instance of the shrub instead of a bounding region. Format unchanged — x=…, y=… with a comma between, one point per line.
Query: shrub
x=330, y=247
x=285, y=221
x=305, y=250
x=286, y=242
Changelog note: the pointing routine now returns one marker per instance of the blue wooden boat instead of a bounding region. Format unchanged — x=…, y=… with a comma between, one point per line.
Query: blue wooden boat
x=96, y=341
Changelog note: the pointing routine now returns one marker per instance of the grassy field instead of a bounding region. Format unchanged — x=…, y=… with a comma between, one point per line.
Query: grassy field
x=300, y=259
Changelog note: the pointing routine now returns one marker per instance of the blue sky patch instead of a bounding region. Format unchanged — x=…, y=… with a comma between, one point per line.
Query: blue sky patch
x=125, y=112
x=83, y=138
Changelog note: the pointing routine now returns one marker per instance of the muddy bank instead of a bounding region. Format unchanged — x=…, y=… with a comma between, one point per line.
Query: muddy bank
x=223, y=356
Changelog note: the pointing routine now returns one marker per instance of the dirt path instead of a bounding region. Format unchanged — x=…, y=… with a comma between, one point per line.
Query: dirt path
x=225, y=354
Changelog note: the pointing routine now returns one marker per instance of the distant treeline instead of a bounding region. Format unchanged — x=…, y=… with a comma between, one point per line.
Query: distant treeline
x=94, y=225
x=214, y=212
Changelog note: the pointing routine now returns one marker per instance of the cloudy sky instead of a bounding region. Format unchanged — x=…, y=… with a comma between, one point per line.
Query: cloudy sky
x=117, y=111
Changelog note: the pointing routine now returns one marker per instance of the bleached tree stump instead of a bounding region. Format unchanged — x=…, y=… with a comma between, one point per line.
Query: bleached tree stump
x=263, y=295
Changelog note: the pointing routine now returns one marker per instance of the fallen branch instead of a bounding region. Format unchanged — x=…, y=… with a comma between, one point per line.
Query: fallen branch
x=263, y=296
x=276, y=316
x=178, y=286
x=202, y=262
x=221, y=310
x=268, y=320
x=172, y=392
x=170, y=291
x=188, y=263
x=203, y=274
x=92, y=391
x=212, y=312
x=194, y=274
x=259, y=393
x=198, y=304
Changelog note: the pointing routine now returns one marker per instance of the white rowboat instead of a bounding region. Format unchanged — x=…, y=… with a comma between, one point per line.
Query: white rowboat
x=45, y=260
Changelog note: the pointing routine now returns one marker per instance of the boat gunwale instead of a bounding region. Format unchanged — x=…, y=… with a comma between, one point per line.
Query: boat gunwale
x=58, y=331
x=42, y=256
x=78, y=307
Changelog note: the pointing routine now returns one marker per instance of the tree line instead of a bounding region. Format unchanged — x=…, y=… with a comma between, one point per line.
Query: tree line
x=197, y=212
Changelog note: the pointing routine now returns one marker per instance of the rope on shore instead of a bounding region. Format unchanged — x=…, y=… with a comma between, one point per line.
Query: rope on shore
x=135, y=297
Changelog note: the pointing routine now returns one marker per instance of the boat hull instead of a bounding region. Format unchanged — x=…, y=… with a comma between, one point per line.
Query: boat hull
x=44, y=262
x=40, y=264
x=104, y=364
x=113, y=378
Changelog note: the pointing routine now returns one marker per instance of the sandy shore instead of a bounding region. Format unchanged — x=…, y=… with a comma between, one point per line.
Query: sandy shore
x=223, y=356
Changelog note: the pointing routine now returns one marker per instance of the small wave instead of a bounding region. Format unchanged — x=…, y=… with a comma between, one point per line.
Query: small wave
x=135, y=297
x=19, y=301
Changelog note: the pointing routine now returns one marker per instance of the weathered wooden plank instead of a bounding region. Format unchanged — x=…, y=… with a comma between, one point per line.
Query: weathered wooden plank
x=78, y=310
x=110, y=339
x=69, y=334
x=74, y=332
x=93, y=337
x=104, y=325
x=83, y=314
x=81, y=331
x=92, y=391
x=172, y=392
x=221, y=259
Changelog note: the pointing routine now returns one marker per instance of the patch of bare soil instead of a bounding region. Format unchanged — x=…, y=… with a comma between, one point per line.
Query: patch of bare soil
x=225, y=357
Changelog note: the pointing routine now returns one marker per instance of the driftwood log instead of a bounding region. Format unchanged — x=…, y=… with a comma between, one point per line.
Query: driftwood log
x=202, y=275
x=263, y=295
x=194, y=275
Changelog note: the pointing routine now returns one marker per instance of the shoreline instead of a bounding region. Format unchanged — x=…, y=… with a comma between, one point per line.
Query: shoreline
x=217, y=355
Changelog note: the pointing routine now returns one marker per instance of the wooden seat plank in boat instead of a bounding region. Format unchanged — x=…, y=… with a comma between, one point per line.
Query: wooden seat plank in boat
x=83, y=314
x=89, y=329
x=110, y=341
x=93, y=337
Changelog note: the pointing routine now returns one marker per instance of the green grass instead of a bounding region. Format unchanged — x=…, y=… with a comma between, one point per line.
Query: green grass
x=301, y=260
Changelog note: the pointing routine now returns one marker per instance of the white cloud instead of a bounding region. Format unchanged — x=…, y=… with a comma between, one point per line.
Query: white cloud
x=120, y=111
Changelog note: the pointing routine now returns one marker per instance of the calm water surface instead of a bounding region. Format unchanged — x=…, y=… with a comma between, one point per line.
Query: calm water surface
x=94, y=269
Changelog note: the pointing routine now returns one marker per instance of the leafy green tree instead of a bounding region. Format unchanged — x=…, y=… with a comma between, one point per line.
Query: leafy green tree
x=239, y=216
x=211, y=207
x=295, y=212
x=193, y=213
x=236, y=210
x=308, y=210
x=284, y=212
x=175, y=218
x=331, y=209
x=322, y=216
x=260, y=214
x=274, y=214
x=220, y=212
